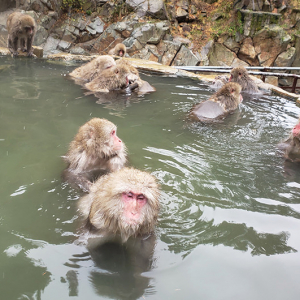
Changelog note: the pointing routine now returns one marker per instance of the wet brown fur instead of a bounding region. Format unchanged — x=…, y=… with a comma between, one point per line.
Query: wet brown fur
x=103, y=207
x=18, y=25
x=241, y=76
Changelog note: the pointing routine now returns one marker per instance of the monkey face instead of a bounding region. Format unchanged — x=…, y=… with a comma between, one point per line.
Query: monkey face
x=29, y=30
x=117, y=143
x=133, y=207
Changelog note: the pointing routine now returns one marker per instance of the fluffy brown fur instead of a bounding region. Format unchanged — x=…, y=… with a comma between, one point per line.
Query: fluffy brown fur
x=21, y=30
x=224, y=101
x=110, y=79
x=93, y=68
x=119, y=50
x=93, y=149
x=241, y=76
x=103, y=207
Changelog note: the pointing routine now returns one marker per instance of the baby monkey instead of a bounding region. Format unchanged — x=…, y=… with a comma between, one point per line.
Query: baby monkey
x=118, y=50
x=21, y=30
x=96, y=147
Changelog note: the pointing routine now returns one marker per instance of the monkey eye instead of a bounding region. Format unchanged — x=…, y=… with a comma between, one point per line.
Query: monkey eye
x=141, y=197
x=232, y=90
x=240, y=73
x=130, y=195
x=113, y=132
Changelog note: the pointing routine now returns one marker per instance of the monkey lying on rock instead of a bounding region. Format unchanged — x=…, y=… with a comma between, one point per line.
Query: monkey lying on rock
x=21, y=30
x=219, y=105
x=123, y=203
x=96, y=147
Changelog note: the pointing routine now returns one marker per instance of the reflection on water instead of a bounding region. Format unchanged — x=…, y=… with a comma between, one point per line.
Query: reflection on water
x=228, y=226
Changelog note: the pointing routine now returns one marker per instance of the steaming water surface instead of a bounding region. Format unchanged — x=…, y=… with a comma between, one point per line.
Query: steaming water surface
x=229, y=222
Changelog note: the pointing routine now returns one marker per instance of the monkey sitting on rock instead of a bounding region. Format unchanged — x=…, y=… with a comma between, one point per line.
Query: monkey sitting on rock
x=219, y=105
x=118, y=50
x=96, y=147
x=241, y=76
x=21, y=30
x=123, y=203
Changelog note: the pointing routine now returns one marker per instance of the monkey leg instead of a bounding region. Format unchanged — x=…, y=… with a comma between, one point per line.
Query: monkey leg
x=29, y=46
x=22, y=43
x=13, y=46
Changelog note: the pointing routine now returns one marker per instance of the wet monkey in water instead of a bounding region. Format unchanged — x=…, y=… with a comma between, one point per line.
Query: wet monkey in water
x=219, y=105
x=95, y=148
x=119, y=50
x=124, y=203
x=21, y=30
x=241, y=76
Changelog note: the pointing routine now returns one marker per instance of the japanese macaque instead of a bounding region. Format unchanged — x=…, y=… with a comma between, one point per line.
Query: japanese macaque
x=119, y=50
x=21, y=30
x=136, y=83
x=219, y=105
x=92, y=69
x=95, y=148
x=219, y=81
x=291, y=147
x=241, y=76
x=110, y=79
x=124, y=203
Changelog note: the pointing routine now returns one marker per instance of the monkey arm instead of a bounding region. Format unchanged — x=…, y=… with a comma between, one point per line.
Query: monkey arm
x=77, y=180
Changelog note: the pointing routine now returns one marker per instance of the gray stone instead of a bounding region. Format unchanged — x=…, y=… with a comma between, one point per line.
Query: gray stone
x=232, y=45
x=296, y=62
x=51, y=45
x=219, y=55
x=157, y=9
x=78, y=51
x=286, y=59
x=40, y=36
x=64, y=46
x=97, y=25
x=170, y=50
x=132, y=44
x=185, y=57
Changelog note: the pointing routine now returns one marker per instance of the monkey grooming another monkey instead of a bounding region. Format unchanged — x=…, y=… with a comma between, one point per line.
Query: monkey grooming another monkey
x=291, y=147
x=119, y=50
x=92, y=69
x=219, y=105
x=123, y=203
x=110, y=79
x=21, y=29
x=241, y=76
x=96, y=147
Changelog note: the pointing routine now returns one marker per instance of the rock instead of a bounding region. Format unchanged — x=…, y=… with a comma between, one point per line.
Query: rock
x=296, y=62
x=219, y=55
x=168, y=51
x=231, y=44
x=40, y=36
x=78, y=51
x=203, y=55
x=272, y=80
x=247, y=52
x=98, y=25
x=51, y=45
x=38, y=51
x=132, y=45
x=238, y=63
x=269, y=43
x=64, y=46
x=286, y=59
x=185, y=57
x=154, y=8
x=256, y=21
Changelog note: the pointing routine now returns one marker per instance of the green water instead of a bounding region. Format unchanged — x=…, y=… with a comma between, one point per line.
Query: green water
x=229, y=222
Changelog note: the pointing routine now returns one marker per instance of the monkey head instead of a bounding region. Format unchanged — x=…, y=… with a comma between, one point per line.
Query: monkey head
x=124, y=202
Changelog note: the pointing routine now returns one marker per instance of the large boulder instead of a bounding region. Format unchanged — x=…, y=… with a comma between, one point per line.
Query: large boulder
x=286, y=58
x=219, y=55
x=269, y=43
x=247, y=52
x=296, y=62
x=185, y=57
